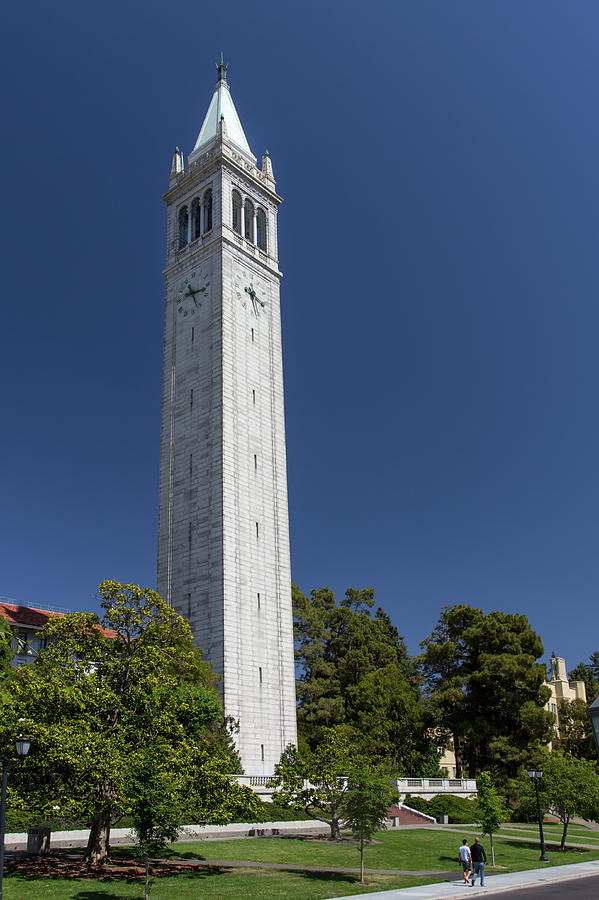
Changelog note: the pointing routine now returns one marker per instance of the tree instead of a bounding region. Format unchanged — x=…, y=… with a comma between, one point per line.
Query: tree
x=316, y=782
x=355, y=672
x=386, y=716
x=589, y=673
x=490, y=807
x=569, y=787
x=6, y=651
x=105, y=691
x=157, y=809
x=575, y=735
x=485, y=687
x=365, y=806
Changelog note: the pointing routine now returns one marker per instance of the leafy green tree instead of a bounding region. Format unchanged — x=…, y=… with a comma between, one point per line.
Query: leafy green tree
x=157, y=788
x=491, y=809
x=106, y=690
x=316, y=782
x=575, y=736
x=569, y=787
x=589, y=673
x=6, y=651
x=386, y=717
x=486, y=688
x=368, y=797
x=355, y=672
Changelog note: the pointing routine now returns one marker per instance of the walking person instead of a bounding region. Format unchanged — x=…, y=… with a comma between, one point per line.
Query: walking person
x=479, y=858
x=465, y=859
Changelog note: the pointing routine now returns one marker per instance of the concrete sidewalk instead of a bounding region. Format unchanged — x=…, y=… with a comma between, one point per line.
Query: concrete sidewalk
x=494, y=884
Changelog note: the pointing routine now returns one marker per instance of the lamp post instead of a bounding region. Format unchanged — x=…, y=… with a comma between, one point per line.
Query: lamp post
x=535, y=775
x=594, y=717
x=22, y=745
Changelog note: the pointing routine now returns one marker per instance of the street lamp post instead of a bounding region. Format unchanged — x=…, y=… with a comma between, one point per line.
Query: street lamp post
x=594, y=717
x=22, y=745
x=535, y=775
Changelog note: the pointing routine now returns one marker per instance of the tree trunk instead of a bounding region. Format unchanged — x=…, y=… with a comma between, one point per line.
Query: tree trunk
x=147, y=878
x=335, y=830
x=457, y=751
x=99, y=839
x=565, y=823
x=492, y=852
x=361, y=859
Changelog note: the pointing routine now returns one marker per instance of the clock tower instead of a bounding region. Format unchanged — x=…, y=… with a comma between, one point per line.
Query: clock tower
x=223, y=531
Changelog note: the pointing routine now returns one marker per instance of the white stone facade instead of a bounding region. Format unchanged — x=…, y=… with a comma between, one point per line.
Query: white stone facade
x=223, y=542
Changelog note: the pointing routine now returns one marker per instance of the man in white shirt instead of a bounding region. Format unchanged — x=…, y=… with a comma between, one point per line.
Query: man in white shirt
x=466, y=861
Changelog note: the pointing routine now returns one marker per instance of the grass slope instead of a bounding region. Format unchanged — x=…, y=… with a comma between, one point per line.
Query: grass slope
x=415, y=849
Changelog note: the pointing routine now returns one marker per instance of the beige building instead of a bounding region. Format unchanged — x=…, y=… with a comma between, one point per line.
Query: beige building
x=561, y=688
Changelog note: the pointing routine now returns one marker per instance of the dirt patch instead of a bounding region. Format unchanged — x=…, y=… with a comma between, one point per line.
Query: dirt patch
x=72, y=867
x=322, y=839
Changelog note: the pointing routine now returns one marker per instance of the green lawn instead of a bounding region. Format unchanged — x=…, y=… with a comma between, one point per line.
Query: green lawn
x=553, y=832
x=238, y=884
x=415, y=849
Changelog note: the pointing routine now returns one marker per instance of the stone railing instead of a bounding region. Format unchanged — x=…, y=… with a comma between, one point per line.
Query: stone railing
x=421, y=787
x=424, y=787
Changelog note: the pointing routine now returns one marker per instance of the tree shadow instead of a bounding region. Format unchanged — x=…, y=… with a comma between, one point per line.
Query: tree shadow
x=94, y=894
x=551, y=847
x=333, y=877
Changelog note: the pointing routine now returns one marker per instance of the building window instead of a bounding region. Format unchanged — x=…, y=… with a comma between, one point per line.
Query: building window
x=258, y=596
x=261, y=229
x=253, y=396
x=21, y=644
x=192, y=333
x=38, y=643
x=207, y=208
x=260, y=673
x=262, y=751
x=252, y=335
x=195, y=220
x=183, y=227
x=191, y=399
x=237, y=212
x=255, y=462
x=257, y=530
x=248, y=209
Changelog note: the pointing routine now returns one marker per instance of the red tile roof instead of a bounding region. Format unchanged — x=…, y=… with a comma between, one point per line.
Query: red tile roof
x=25, y=616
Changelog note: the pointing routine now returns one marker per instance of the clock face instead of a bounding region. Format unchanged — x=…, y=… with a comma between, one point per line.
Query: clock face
x=251, y=291
x=192, y=291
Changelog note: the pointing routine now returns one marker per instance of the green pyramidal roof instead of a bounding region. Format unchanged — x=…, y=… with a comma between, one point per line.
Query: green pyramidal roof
x=222, y=106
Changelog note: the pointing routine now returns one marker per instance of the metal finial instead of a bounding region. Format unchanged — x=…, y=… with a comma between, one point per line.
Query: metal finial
x=221, y=68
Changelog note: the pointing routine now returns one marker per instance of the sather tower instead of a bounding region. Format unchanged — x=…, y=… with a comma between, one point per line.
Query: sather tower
x=223, y=532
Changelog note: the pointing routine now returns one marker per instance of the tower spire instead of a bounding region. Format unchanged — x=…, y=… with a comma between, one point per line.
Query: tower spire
x=222, y=108
x=221, y=68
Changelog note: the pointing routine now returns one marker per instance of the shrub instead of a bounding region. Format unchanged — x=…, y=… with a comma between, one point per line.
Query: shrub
x=461, y=811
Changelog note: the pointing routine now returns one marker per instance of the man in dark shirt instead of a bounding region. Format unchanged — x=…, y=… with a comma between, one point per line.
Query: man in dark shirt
x=479, y=858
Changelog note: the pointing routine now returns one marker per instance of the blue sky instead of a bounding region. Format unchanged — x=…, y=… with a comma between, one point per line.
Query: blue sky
x=438, y=240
